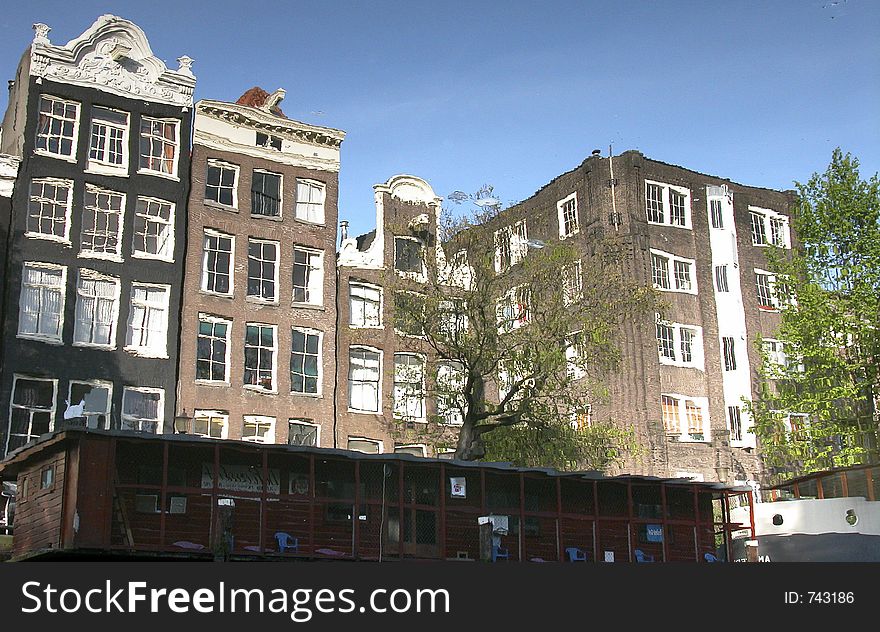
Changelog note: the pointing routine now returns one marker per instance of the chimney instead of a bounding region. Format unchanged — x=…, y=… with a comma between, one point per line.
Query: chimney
x=597, y=152
x=343, y=230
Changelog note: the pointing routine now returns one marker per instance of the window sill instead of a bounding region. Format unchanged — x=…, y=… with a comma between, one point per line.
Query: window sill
x=99, y=255
x=44, y=237
x=38, y=338
x=373, y=327
x=412, y=276
x=674, y=291
x=308, y=395
x=65, y=158
x=375, y=413
x=92, y=345
x=317, y=306
x=211, y=383
x=158, y=174
x=564, y=237
x=681, y=365
x=216, y=294
x=685, y=227
x=140, y=352
x=256, y=300
x=221, y=206
x=770, y=310
x=309, y=222
x=259, y=389
x=106, y=171
x=271, y=218
x=149, y=257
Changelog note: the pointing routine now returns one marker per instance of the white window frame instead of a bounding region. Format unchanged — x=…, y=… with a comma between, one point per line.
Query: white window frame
x=223, y=166
x=175, y=160
x=666, y=204
x=763, y=236
x=125, y=418
x=683, y=433
x=518, y=300
x=253, y=298
x=503, y=239
x=320, y=362
x=716, y=211
x=581, y=418
x=574, y=356
x=43, y=202
x=402, y=449
x=697, y=351
x=450, y=377
x=720, y=274
x=729, y=354
x=519, y=242
x=211, y=416
x=308, y=205
x=95, y=384
x=93, y=275
x=258, y=387
x=671, y=259
x=423, y=299
x=62, y=289
x=734, y=439
x=30, y=435
x=91, y=253
x=267, y=436
x=572, y=283
x=280, y=214
x=420, y=276
x=377, y=442
x=305, y=423
x=409, y=394
x=315, y=281
x=161, y=308
x=208, y=232
x=214, y=320
x=771, y=285
x=561, y=213
x=74, y=137
x=365, y=349
x=98, y=165
x=166, y=253
x=363, y=302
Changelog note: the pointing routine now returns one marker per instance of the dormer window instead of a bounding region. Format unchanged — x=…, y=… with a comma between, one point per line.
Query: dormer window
x=268, y=141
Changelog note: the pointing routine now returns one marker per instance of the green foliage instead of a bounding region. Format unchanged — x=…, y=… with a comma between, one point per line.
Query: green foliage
x=829, y=292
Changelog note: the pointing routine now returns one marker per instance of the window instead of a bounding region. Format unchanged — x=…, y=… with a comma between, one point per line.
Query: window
x=310, y=201
x=302, y=432
x=408, y=257
x=567, y=211
x=159, y=146
x=89, y=403
x=415, y=450
x=32, y=410
x=572, y=283
x=734, y=423
x=262, y=283
x=503, y=255
x=97, y=309
x=729, y=353
x=513, y=309
x=143, y=409
x=685, y=417
x=680, y=345
x=217, y=263
x=212, y=349
x=672, y=273
x=369, y=446
x=221, y=183
x=721, y=284
x=266, y=194
x=452, y=314
x=47, y=477
x=581, y=417
x=769, y=228
x=305, y=361
x=764, y=282
x=148, y=320
x=308, y=276
x=49, y=207
x=259, y=357
x=667, y=204
x=450, y=393
x=211, y=423
x=41, y=303
x=102, y=223
x=575, y=356
x=108, y=148
x=409, y=386
x=796, y=423
x=519, y=242
x=363, y=379
x=57, y=127
x=715, y=215
x=258, y=429
x=409, y=313
x=365, y=305
x=268, y=141
x=153, y=229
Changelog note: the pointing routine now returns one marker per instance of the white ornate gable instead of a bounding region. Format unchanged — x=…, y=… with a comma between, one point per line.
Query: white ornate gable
x=113, y=55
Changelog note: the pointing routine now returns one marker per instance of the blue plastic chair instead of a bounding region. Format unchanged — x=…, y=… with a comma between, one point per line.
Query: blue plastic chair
x=641, y=556
x=499, y=552
x=709, y=557
x=287, y=542
x=575, y=554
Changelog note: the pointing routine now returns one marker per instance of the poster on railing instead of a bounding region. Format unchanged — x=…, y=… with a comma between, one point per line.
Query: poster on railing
x=458, y=486
x=240, y=478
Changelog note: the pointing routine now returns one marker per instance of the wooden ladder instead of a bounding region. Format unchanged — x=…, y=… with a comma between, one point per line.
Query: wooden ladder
x=120, y=514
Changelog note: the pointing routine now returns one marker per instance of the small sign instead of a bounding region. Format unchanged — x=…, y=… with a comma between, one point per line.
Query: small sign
x=609, y=556
x=655, y=533
x=458, y=486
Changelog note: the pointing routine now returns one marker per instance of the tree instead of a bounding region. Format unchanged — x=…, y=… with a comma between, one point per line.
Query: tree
x=829, y=298
x=523, y=334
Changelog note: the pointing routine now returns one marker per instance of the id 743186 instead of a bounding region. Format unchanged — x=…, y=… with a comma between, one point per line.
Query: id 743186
x=820, y=597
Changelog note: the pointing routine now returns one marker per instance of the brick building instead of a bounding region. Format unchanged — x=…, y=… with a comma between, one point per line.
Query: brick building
x=93, y=250
x=258, y=352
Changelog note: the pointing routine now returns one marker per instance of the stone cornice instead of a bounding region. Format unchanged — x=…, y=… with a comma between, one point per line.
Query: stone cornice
x=219, y=143
x=114, y=56
x=253, y=118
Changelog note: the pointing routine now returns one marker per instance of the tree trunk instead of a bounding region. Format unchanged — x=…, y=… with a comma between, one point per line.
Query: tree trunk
x=470, y=442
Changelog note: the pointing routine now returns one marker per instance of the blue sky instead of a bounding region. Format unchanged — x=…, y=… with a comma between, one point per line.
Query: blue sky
x=516, y=93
